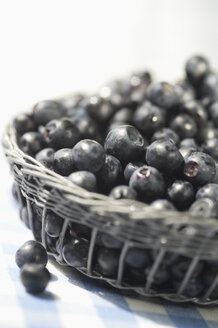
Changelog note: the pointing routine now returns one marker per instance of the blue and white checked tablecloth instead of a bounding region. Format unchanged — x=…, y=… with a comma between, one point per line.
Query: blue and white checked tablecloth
x=73, y=300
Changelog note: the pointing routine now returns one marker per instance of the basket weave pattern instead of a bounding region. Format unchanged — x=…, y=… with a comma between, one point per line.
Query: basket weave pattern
x=132, y=222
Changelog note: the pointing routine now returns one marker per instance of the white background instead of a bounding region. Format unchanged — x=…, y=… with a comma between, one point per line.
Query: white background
x=50, y=47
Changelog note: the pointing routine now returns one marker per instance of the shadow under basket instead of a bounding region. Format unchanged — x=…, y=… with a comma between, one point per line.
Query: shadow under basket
x=168, y=237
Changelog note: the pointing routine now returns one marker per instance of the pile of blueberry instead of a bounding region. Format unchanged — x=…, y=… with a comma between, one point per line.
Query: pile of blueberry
x=135, y=139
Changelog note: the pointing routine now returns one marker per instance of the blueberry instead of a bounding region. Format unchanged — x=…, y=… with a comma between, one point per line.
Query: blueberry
x=130, y=169
x=110, y=242
x=24, y=216
x=161, y=276
x=189, y=142
x=209, y=275
x=124, y=114
x=164, y=155
x=125, y=143
x=162, y=205
x=149, y=118
x=193, y=288
x=114, y=125
x=123, y=192
x=46, y=157
x=47, y=110
x=134, y=277
x=184, y=126
x=181, y=193
x=110, y=174
x=84, y=179
x=87, y=127
x=88, y=155
x=196, y=111
x=163, y=94
x=186, y=151
x=137, y=258
x=79, y=230
x=75, y=253
x=209, y=87
x=63, y=161
x=31, y=252
x=62, y=133
x=148, y=182
x=205, y=207
x=196, y=68
x=72, y=102
x=53, y=225
x=200, y=168
x=210, y=146
x=99, y=109
x=208, y=132
x=34, y=277
x=31, y=143
x=169, y=257
x=215, y=179
x=180, y=268
x=185, y=91
x=141, y=78
x=166, y=133
x=24, y=123
x=108, y=260
x=213, y=110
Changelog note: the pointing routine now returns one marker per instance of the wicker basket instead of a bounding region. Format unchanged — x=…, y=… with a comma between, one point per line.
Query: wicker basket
x=131, y=222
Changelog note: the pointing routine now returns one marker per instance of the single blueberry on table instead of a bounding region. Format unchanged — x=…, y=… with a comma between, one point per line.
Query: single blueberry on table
x=166, y=133
x=84, y=179
x=181, y=193
x=63, y=161
x=199, y=169
x=47, y=110
x=31, y=252
x=148, y=118
x=123, y=192
x=125, y=143
x=205, y=208
x=163, y=94
x=88, y=155
x=46, y=157
x=31, y=143
x=148, y=182
x=62, y=133
x=34, y=277
x=130, y=169
x=164, y=155
x=209, y=190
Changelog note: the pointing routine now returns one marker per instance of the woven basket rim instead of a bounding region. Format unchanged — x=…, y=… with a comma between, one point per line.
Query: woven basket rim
x=97, y=200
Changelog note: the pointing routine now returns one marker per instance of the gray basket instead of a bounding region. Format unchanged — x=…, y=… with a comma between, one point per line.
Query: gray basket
x=132, y=222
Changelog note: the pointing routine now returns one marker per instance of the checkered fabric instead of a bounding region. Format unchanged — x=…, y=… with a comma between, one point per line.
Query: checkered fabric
x=73, y=300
